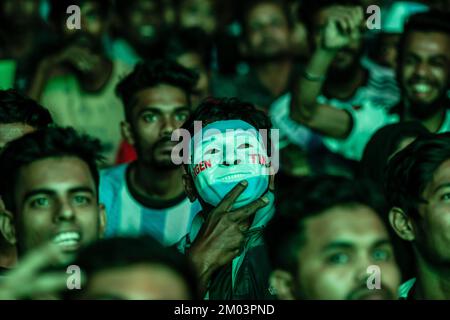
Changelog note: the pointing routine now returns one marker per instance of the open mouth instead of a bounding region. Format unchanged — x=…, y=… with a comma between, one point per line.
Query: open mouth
x=422, y=88
x=234, y=177
x=69, y=240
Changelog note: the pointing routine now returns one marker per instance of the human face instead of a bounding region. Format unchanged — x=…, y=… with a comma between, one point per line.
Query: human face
x=340, y=244
x=94, y=25
x=268, y=33
x=13, y=131
x=193, y=61
x=137, y=282
x=143, y=22
x=198, y=13
x=20, y=14
x=56, y=200
x=424, y=72
x=433, y=229
x=225, y=153
x=347, y=57
x=157, y=112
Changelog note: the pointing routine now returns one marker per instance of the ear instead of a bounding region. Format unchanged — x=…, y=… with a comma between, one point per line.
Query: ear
x=402, y=224
x=283, y=283
x=102, y=221
x=7, y=228
x=189, y=187
x=127, y=133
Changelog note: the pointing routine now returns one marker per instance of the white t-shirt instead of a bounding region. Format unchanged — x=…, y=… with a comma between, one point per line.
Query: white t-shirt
x=97, y=114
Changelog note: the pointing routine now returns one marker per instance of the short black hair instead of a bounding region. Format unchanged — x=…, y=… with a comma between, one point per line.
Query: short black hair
x=308, y=197
x=42, y=144
x=382, y=145
x=58, y=8
x=249, y=5
x=107, y=254
x=430, y=21
x=412, y=169
x=308, y=9
x=153, y=73
x=189, y=40
x=17, y=108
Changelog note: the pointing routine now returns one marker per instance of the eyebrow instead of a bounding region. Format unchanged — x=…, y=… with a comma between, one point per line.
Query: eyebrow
x=157, y=110
x=441, y=186
x=348, y=245
x=50, y=192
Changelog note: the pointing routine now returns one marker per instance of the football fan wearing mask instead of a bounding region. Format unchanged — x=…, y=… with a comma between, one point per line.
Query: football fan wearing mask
x=229, y=171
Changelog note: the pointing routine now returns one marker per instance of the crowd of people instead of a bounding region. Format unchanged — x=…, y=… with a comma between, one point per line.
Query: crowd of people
x=224, y=150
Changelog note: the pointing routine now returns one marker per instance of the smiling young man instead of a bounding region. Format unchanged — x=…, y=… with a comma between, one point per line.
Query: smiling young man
x=50, y=189
x=328, y=231
x=422, y=72
x=418, y=191
x=147, y=196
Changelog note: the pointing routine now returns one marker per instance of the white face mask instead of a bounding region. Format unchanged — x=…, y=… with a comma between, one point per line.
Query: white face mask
x=224, y=154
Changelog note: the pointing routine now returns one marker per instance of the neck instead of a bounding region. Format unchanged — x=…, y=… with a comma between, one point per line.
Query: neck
x=432, y=283
x=432, y=123
x=274, y=75
x=96, y=79
x=343, y=85
x=154, y=183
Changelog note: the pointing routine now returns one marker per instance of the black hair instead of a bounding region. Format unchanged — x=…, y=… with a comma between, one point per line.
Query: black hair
x=107, y=254
x=153, y=73
x=17, y=108
x=412, y=169
x=58, y=8
x=308, y=9
x=190, y=40
x=430, y=21
x=41, y=144
x=248, y=6
x=381, y=147
x=308, y=197
x=122, y=6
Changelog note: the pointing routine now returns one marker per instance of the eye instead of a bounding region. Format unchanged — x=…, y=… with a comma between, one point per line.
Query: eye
x=445, y=197
x=212, y=151
x=81, y=200
x=245, y=146
x=149, y=117
x=41, y=202
x=381, y=255
x=338, y=258
x=181, y=116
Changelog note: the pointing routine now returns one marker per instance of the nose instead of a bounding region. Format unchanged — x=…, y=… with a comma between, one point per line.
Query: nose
x=167, y=126
x=64, y=211
x=421, y=69
x=230, y=159
x=361, y=274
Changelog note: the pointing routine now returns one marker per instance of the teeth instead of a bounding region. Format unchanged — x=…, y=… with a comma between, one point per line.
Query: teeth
x=67, y=238
x=234, y=177
x=422, y=88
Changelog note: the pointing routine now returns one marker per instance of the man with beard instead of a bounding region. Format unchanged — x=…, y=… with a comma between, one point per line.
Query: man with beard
x=327, y=233
x=418, y=191
x=422, y=71
x=147, y=196
x=265, y=43
x=77, y=83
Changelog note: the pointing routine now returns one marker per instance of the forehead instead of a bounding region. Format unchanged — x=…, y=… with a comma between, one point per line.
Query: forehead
x=13, y=131
x=264, y=11
x=441, y=176
x=190, y=60
x=429, y=43
x=355, y=224
x=54, y=173
x=163, y=96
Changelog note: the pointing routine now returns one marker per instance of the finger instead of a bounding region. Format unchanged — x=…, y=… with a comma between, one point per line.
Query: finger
x=227, y=202
x=43, y=284
x=37, y=259
x=246, y=211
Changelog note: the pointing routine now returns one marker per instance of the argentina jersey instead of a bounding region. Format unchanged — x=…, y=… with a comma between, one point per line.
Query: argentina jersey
x=167, y=222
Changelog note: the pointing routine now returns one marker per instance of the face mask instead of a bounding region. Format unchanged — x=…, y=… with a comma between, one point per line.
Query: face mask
x=223, y=154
